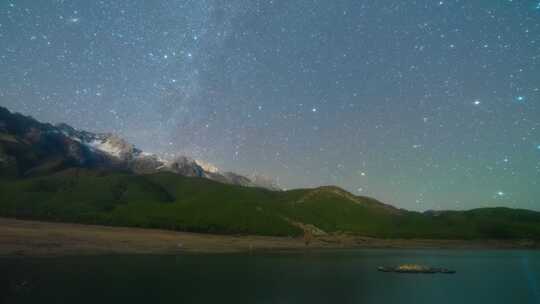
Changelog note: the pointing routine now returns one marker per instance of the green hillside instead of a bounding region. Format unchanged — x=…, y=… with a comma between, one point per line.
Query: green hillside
x=170, y=201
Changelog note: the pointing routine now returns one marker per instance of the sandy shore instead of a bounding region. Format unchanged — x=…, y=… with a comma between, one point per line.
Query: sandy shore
x=35, y=238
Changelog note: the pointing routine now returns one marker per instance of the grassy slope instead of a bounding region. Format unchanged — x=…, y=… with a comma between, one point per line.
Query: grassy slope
x=174, y=202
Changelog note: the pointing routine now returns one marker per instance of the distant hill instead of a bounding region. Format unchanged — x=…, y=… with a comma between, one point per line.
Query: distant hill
x=49, y=174
x=171, y=201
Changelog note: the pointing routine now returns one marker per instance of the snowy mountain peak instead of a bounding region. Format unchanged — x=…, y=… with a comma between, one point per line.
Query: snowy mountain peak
x=115, y=146
x=62, y=146
x=208, y=167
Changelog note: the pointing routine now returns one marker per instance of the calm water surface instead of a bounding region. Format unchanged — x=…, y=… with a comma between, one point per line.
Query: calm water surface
x=312, y=277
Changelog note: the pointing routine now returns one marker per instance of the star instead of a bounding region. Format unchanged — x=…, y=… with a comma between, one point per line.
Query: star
x=74, y=20
x=477, y=102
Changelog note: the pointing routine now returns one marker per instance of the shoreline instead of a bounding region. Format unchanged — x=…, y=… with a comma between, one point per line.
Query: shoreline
x=24, y=238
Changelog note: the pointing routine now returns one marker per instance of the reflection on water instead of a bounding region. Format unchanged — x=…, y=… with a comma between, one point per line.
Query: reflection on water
x=311, y=277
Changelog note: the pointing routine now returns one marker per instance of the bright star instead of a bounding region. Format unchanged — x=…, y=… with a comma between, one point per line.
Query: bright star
x=520, y=98
x=476, y=102
x=74, y=20
x=314, y=110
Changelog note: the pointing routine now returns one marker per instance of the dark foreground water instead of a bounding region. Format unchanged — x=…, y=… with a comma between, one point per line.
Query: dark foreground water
x=324, y=277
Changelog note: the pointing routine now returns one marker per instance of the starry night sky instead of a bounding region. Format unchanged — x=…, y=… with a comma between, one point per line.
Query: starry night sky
x=421, y=104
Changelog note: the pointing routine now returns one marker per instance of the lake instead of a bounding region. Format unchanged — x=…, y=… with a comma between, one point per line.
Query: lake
x=348, y=276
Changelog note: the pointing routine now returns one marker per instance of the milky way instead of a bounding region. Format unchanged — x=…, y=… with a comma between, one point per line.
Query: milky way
x=421, y=104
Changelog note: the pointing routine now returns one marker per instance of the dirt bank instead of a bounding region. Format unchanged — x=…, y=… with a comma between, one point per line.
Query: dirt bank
x=35, y=238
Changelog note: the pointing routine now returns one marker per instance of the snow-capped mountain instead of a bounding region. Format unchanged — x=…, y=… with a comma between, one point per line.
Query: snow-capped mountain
x=55, y=147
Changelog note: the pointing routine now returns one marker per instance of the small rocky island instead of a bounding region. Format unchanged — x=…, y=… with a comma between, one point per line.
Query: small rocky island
x=414, y=268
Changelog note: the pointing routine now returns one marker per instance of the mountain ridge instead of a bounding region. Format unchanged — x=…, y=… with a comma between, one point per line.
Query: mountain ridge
x=73, y=147
x=100, y=179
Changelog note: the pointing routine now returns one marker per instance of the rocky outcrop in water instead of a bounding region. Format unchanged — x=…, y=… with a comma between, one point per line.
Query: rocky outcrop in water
x=414, y=268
